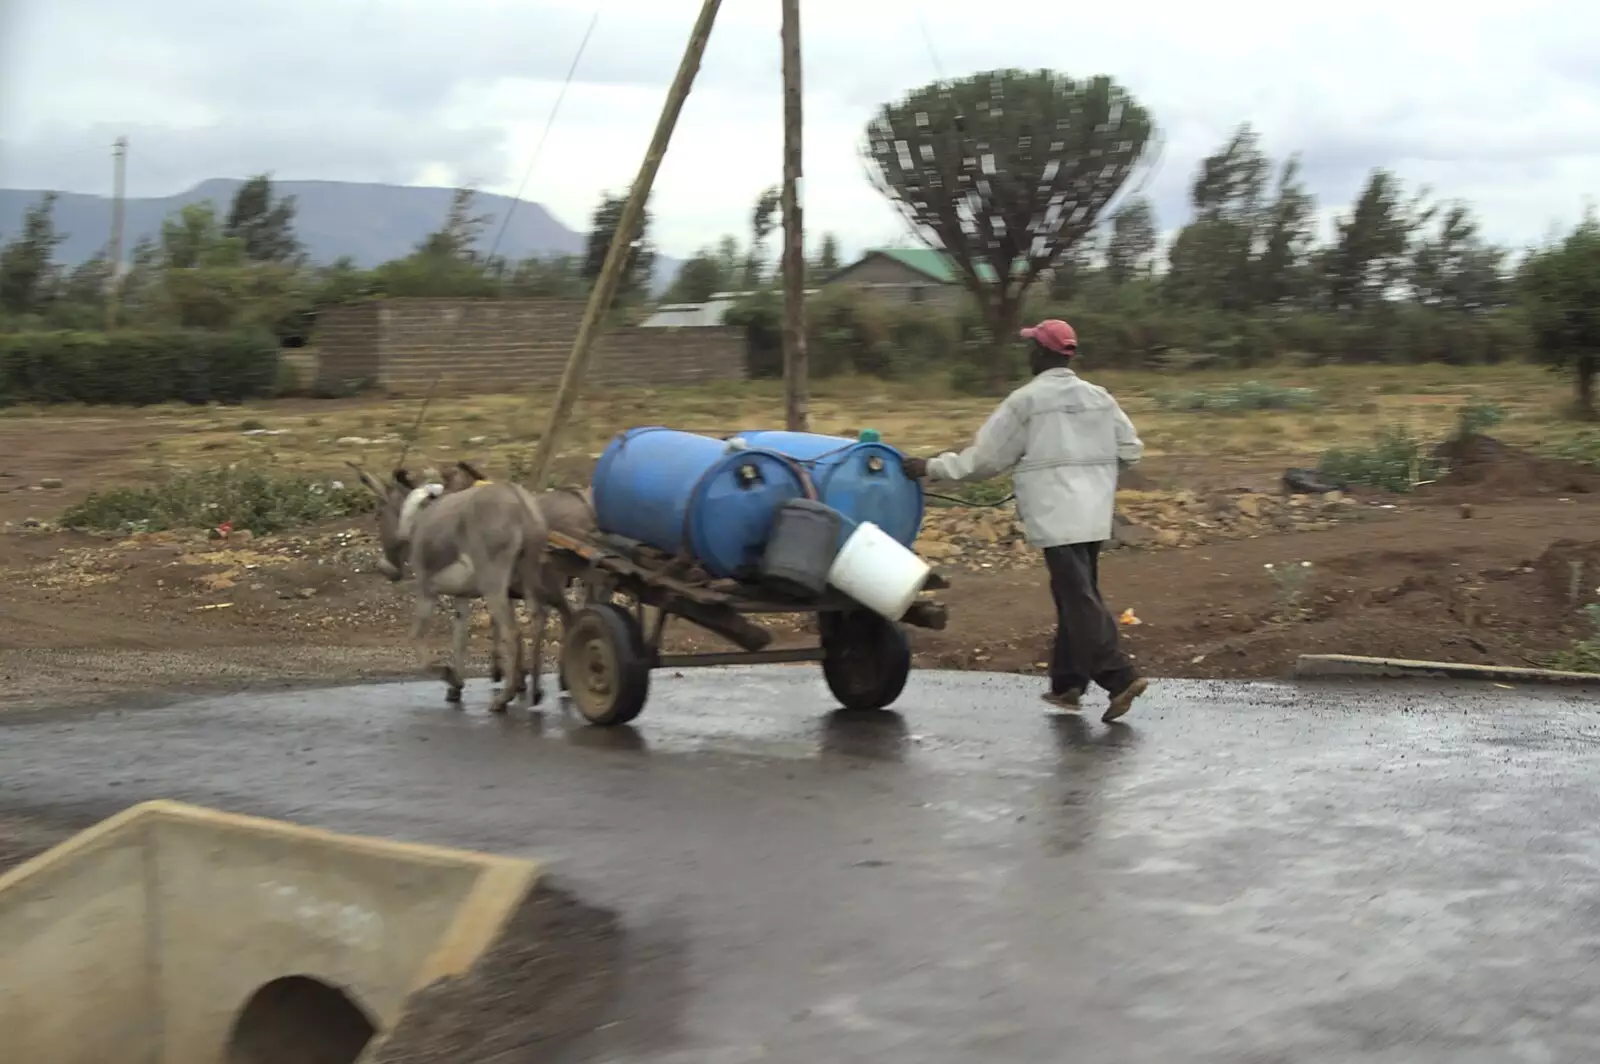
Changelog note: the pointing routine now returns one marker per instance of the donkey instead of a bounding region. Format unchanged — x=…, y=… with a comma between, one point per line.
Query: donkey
x=478, y=543
x=568, y=510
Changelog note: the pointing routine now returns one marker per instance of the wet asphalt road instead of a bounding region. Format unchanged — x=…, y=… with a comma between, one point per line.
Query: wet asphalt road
x=1246, y=873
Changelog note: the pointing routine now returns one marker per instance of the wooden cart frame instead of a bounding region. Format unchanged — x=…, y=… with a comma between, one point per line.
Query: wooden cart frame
x=608, y=651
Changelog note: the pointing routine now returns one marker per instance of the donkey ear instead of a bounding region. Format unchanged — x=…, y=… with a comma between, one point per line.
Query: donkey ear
x=469, y=470
x=402, y=478
x=369, y=481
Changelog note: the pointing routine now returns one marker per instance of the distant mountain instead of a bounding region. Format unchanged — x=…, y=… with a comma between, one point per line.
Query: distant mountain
x=371, y=223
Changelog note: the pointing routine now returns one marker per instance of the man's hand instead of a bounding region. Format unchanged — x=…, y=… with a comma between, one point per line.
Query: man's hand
x=916, y=468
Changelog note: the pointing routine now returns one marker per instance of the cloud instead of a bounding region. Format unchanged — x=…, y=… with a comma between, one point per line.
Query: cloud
x=1480, y=101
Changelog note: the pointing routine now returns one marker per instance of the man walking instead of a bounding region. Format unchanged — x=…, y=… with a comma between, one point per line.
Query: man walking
x=1064, y=441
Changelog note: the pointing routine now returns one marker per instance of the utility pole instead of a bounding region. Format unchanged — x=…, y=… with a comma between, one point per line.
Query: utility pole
x=605, y=286
x=796, y=373
x=119, y=187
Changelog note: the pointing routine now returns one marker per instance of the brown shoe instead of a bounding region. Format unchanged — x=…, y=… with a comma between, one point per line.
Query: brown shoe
x=1122, y=701
x=1067, y=701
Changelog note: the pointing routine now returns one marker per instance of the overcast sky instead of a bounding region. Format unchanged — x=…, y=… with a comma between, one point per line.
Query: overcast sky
x=1494, y=102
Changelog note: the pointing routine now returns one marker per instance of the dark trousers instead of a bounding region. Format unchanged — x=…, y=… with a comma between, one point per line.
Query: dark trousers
x=1088, y=647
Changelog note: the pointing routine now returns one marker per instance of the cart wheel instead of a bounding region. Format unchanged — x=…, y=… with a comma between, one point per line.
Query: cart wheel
x=865, y=659
x=605, y=666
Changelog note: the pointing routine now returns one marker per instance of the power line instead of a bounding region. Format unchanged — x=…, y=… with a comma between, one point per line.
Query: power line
x=505, y=223
x=927, y=40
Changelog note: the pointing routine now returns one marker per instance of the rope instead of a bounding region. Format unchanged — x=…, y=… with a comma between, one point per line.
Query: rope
x=505, y=223
x=958, y=501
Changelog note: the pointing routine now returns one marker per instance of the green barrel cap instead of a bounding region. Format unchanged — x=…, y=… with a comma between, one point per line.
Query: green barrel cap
x=869, y=436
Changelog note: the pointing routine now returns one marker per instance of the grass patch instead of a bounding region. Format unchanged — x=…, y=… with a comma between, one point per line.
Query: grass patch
x=922, y=417
x=1240, y=398
x=1584, y=655
x=1395, y=460
x=1584, y=449
x=246, y=496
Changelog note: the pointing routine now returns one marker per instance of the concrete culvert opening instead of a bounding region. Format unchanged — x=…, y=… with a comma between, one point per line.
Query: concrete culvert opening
x=191, y=936
x=299, y=1020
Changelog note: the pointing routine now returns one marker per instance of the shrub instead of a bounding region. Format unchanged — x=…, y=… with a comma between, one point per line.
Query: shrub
x=1395, y=461
x=1476, y=418
x=760, y=315
x=138, y=367
x=246, y=495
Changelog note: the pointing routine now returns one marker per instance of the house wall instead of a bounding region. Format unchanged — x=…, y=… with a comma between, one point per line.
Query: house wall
x=895, y=282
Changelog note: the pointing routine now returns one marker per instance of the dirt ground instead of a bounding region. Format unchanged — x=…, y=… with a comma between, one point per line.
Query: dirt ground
x=87, y=617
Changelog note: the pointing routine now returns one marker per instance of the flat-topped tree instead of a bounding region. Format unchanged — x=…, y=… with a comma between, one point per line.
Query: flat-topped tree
x=1005, y=171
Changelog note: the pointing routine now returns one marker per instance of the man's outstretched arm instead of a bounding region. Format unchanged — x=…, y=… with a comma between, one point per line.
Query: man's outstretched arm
x=997, y=448
x=1130, y=448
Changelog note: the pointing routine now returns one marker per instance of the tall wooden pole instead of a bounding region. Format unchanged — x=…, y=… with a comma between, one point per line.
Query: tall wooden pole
x=119, y=188
x=605, y=286
x=796, y=385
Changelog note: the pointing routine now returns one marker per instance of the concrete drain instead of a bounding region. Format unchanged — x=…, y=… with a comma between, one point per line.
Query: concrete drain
x=183, y=935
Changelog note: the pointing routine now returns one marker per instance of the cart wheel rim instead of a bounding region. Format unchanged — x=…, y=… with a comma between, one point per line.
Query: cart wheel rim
x=593, y=680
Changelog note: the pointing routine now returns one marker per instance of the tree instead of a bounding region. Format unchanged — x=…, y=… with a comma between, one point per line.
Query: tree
x=1371, y=253
x=699, y=278
x=191, y=237
x=206, y=281
x=28, y=273
x=1453, y=268
x=1246, y=247
x=553, y=277
x=1211, y=256
x=730, y=259
x=265, y=227
x=641, y=262
x=1131, y=246
x=140, y=293
x=1283, y=242
x=447, y=261
x=1561, y=292
x=80, y=300
x=827, y=256
x=458, y=237
x=763, y=220
x=1006, y=171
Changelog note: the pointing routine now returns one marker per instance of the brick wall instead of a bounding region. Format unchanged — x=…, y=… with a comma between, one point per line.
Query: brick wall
x=347, y=348
x=509, y=345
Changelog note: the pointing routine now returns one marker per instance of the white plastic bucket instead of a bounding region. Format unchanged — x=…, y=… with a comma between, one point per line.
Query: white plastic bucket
x=877, y=571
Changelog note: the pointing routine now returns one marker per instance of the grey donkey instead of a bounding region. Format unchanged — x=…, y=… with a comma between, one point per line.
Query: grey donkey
x=568, y=510
x=479, y=543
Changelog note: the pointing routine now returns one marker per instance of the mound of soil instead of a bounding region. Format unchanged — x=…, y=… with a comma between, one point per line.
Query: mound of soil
x=1571, y=573
x=1482, y=468
x=549, y=981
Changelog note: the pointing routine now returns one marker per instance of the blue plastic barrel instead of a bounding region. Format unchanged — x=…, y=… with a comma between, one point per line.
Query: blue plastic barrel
x=671, y=489
x=861, y=479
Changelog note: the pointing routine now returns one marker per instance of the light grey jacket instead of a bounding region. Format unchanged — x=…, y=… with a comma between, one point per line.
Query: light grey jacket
x=1063, y=439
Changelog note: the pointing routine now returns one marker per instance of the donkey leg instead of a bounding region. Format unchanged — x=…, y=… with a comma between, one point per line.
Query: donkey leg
x=497, y=671
x=504, y=613
x=423, y=611
x=541, y=618
x=460, y=630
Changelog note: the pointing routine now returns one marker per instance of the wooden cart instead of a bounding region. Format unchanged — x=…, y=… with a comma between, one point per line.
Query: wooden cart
x=609, y=650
